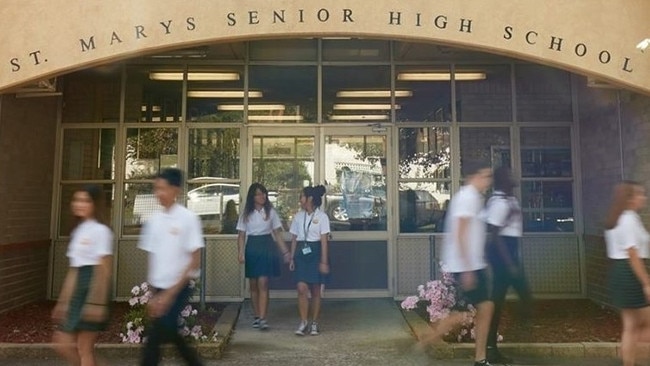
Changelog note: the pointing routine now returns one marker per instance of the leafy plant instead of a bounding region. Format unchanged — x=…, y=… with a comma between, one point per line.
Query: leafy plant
x=136, y=320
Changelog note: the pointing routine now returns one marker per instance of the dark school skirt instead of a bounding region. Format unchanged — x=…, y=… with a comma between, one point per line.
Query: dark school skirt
x=73, y=322
x=307, y=265
x=625, y=289
x=261, y=257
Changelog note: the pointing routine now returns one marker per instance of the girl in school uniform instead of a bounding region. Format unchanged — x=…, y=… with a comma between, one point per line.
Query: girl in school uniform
x=259, y=230
x=82, y=306
x=309, y=256
x=629, y=284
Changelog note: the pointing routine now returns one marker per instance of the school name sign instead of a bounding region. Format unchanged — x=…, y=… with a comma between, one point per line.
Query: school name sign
x=98, y=32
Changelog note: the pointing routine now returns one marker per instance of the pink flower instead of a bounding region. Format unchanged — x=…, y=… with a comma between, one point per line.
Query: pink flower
x=410, y=303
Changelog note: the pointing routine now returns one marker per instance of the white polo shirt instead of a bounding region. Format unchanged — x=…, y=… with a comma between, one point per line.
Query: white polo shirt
x=315, y=225
x=628, y=233
x=89, y=242
x=170, y=237
x=258, y=224
x=504, y=212
x=466, y=203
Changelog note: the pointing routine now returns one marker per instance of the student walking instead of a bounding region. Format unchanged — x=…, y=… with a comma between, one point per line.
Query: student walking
x=463, y=255
x=505, y=226
x=259, y=233
x=173, y=239
x=310, y=256
x=82, y=307
x=629, y=284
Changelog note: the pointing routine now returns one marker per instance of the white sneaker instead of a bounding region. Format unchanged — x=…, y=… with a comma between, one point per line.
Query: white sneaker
x=314, y=329
x=302, y=328
x=263, y=324
x=256, y=323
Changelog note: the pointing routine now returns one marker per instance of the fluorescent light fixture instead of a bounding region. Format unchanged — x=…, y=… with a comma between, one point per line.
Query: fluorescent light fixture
x=154, y=108
x=439, y=76
x=359, y=117
x=275, y=118
x=222, y=94
x=643, y=44
x=363, y=107
x=194, y=76
x=251, y=107
x=372, y=93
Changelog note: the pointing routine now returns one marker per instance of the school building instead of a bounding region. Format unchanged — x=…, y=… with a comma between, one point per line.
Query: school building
x=379, y=100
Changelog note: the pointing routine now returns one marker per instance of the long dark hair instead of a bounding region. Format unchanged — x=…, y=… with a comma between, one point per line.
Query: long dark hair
x=250, y=200
x=503, y=180
x=623, y=193
x=94, y=191
x=316, y=194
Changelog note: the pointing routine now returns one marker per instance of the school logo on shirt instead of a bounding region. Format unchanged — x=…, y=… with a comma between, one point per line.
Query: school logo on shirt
x=174, y=230
x=85, y=241
x=315, y=221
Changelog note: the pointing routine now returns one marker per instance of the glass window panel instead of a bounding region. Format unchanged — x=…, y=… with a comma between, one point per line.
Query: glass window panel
x=540, y=195
x=284, y=165
x=214, y=153
x=356, y=94
x=215, y=94
x=67, y=220
x=422, y=206
x=216, y=204
x=485, y=145
x=148, y=150
x=140, y=204
x=543, y=94
x=424, y=152
x=427, y=100
x=355, y=50
x=92, y=95
x=284, y=50
x=288, y=94
x=483, y=93
x=549, y=221
x=154, y=94
x=226, y=51
x=546, y=152
x=355, y=175
x=88, y=154
x=412, y=51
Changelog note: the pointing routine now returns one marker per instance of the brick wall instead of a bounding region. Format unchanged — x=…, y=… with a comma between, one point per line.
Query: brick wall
x=27, y=141
x=604, y=164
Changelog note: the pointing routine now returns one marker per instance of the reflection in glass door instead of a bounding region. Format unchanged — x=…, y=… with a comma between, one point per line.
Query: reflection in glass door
x=284, y=164
x=355, y=175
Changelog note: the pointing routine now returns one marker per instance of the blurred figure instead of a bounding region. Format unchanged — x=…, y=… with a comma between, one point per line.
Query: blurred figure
x=310, y=256
x=463, y=255
x=505, y=226
x=629, y=284
x=173, y=238
x=259, y=233
x=82, y=307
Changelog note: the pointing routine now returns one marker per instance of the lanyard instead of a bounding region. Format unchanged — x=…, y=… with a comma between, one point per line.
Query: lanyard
x=304, y=222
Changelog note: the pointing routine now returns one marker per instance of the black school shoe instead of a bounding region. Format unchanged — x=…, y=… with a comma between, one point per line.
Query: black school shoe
x=495, y=356
x=482, y=363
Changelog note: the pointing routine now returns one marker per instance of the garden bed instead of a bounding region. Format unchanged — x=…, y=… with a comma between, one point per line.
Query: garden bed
x=32, y=323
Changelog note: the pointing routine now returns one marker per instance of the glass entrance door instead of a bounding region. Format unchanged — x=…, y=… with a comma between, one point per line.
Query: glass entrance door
x=351, y=163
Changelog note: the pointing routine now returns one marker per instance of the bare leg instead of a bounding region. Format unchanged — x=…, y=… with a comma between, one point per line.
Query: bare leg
x=86, y=347
x=482, y=327
x=315, y=302
x=303, y=301
x=254, y=296
x=65, y=344
x=629, y=336
x=442, y=327
x=262, y=296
